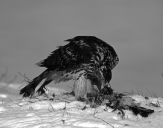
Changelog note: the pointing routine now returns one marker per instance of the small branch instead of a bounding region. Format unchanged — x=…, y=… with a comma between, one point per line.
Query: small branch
x=26, y=79
x=103, y=121
x=52, y=107
x=94, y=115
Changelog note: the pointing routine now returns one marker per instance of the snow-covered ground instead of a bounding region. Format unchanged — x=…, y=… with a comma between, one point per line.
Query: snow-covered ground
x=65, y=112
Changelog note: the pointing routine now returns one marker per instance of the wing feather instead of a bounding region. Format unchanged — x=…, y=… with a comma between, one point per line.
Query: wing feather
x=67, y=57
x=79, y=51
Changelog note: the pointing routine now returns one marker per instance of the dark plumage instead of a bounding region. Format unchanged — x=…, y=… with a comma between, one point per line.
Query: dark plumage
x=83, y=58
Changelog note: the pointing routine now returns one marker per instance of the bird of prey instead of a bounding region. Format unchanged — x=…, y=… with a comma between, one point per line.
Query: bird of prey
x=87, y=60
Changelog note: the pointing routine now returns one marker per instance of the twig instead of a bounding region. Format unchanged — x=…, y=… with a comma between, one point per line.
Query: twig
x=94, y=115
x=26, y=79
x=103, y=121
x=52, y=107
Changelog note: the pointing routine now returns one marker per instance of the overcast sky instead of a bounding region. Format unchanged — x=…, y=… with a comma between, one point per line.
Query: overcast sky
x=31, y=29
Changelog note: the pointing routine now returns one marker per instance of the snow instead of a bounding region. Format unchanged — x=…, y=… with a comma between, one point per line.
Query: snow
x=69, y=113
x=3, y=96
x=2, y=109
x=89, y=124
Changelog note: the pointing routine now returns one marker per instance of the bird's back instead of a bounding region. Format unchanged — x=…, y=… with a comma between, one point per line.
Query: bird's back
x=81, y=50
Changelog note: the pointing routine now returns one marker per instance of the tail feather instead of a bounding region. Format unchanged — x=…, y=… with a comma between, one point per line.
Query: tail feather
x=29, y=89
